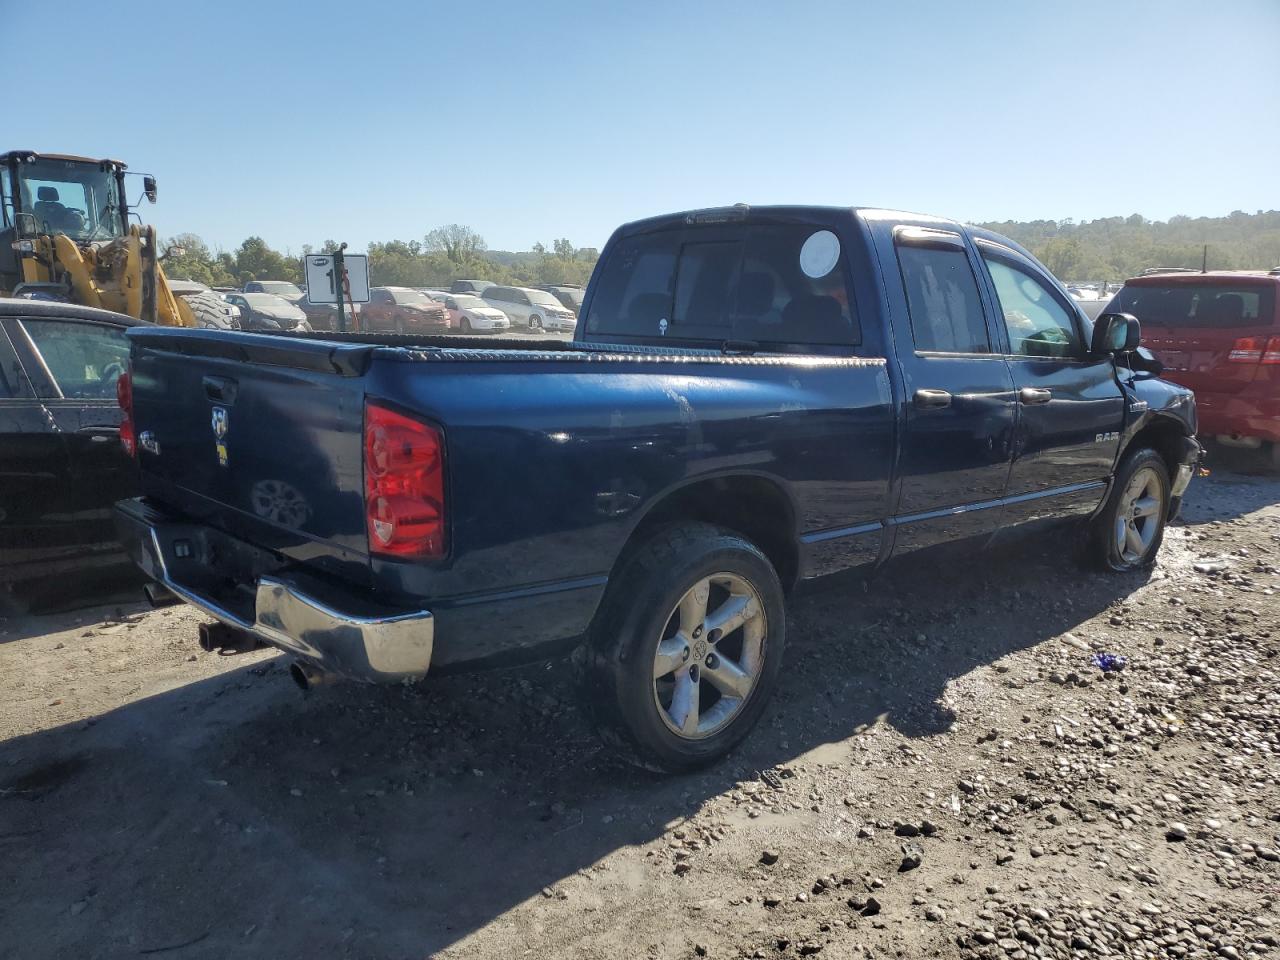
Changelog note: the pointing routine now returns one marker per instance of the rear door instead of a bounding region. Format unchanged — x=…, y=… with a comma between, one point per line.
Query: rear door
x=959, y=404
x=67, y=436
x=1070, y=406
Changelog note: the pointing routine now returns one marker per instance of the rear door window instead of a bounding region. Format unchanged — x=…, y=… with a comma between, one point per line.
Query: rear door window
x=1204, y=305
x=775, y=284
x=84, y=359
x=942, y=298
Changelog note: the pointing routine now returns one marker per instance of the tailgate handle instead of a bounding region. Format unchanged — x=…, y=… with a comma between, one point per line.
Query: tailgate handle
x=220, y=389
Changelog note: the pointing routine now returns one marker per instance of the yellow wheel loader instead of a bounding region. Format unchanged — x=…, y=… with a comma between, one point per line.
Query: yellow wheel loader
x=65, y=234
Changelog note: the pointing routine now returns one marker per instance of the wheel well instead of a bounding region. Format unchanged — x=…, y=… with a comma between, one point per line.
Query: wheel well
x=754, y=507
x=1165, y=438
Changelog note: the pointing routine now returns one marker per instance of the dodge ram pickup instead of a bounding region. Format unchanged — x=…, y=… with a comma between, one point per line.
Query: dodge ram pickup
x=754, y=397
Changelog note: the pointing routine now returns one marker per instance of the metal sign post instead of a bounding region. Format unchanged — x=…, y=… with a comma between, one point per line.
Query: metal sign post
x=339, y=284
x=338, y=278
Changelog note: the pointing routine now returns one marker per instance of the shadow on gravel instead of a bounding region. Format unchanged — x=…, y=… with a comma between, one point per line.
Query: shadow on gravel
x=240, y=818
x=1230, y=490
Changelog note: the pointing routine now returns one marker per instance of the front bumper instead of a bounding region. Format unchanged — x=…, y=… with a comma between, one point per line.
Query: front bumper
x=343, y=633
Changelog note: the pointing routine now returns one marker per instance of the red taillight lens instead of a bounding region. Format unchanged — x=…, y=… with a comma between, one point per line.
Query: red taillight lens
x=124, y=397
x=1271, y=354
x=403, y=484
x=1246, y=350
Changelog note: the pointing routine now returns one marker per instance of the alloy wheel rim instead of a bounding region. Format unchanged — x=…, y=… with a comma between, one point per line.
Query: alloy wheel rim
x=1138, y=517
x=709, y=657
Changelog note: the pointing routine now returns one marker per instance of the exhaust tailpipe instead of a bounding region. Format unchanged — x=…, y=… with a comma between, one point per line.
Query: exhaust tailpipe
x=158, y=595
x=218, y=637
x=306, y=676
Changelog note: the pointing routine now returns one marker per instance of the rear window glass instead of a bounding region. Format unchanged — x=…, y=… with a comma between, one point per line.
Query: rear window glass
x=770, y=283
x=1197, y=305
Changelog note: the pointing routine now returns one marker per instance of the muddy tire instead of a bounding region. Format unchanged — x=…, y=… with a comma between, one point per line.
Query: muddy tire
x=1128, y=532
x=209, y=310
x=687, y=647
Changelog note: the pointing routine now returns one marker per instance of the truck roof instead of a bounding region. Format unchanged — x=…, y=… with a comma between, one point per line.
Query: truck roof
x=1260, y=277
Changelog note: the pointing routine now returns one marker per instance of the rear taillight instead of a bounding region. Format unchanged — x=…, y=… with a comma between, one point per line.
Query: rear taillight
x=1272, y=352
x=1246, y=350
x=124, y=397
x=403, y=484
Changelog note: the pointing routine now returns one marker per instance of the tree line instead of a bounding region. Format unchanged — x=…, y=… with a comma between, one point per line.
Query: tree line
x=1110, y=248
x=1113, y=248
x=443, y=255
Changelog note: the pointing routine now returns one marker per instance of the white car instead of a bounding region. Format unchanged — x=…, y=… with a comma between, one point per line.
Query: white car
x=535, y=309
x=469, y=314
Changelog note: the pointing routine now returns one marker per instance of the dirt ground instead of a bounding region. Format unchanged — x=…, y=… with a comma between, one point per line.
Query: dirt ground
x=943, y=773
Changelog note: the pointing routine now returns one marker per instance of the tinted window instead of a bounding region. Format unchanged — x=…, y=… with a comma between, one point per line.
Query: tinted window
x=1038, y=324
x=942, y=300
x=1198, y=305
x=720, y=283
x=85, y=359
x=496, y=293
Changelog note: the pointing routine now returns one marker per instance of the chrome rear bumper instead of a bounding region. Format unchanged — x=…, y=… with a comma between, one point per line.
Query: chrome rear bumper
x=354, y=639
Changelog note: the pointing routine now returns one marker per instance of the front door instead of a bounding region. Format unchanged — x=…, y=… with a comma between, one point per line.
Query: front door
x=959, y=399
x=1071, y=408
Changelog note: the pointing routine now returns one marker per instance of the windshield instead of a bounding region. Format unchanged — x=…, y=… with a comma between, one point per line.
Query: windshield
x=1206, y=305
x=469, y=303
x=265, y=301
x=571, y=294
x=80, y=200
x=543, y=299
x=412, y=298
x=281, y=288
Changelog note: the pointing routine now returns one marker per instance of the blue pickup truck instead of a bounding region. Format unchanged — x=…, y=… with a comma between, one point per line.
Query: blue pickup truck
x=754, y=397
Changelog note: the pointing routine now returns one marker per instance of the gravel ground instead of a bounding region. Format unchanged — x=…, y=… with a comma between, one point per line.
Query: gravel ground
x=945, y=772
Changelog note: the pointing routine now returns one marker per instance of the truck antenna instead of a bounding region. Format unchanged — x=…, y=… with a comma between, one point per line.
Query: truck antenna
x=1204, y=260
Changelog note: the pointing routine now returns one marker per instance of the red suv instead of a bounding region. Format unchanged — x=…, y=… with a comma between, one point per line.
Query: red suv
x=403, y=310
x=1219, y=334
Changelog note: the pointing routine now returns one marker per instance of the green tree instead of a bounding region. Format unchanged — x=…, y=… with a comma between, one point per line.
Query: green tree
x=460, y=244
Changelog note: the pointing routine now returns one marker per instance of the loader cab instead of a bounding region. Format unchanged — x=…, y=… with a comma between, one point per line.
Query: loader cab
x=48, y=194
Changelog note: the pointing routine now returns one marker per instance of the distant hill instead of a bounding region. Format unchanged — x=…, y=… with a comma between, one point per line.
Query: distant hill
x=1113, y=248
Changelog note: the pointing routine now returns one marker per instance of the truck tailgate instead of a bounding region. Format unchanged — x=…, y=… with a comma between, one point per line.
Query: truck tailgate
x=259, y=436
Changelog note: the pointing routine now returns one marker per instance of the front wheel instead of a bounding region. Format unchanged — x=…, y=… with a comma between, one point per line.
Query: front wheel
x=535, y=322
x=466, y=325
x=1128, y=532
x=688, y=646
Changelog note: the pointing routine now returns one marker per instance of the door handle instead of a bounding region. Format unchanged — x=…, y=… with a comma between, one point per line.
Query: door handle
x=1035, y=394
x=929, y=399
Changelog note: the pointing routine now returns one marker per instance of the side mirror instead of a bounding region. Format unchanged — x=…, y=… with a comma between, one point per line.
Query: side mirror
x=1115, y=333
x=149, y=187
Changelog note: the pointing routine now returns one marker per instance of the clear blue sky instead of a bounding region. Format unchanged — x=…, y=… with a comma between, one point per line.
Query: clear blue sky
x=535, y=120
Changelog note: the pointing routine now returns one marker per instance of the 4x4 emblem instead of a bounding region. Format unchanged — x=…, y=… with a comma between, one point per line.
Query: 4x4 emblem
x=219, y=434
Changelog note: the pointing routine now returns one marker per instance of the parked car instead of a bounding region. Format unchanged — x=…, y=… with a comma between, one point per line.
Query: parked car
x=211, y=309
x=569, y=295
x=403, y=310
x=1219, y=334
x=277, y=288
x=267, y=313
x=470, y=286
x=535, y=309
x=755, y=398
x=324, y=316
x=62, y=466
x=470, y=314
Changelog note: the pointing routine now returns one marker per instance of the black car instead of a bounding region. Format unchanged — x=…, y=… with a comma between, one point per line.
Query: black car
x=267, y=313
x=62, y=465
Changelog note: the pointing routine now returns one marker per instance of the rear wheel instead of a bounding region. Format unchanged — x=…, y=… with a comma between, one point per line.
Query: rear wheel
x=466, y=325
x=688, y=646
x=1128, y=533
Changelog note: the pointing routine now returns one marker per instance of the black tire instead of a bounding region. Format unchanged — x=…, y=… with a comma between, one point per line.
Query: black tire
x=210, y=310
x=1103, y=548
x=638, y=612
x=466, y=326
x=535, y=322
